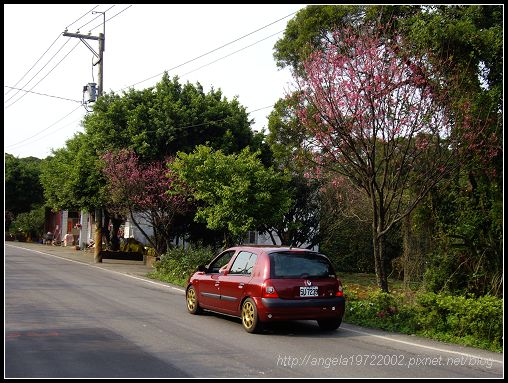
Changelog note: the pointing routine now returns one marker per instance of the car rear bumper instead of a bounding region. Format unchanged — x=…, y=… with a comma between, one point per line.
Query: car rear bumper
x=270, y=309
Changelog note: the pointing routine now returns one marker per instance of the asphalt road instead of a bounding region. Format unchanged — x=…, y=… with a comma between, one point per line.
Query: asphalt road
x=65, y=319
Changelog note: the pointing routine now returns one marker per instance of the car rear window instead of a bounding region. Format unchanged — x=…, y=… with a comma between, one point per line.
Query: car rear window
x=300, y=265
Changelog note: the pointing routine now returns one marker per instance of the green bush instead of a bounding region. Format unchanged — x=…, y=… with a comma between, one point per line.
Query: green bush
x=476, y=322
x=479, y=321
x=381, y=310
x=177, y=264
x=29, y=225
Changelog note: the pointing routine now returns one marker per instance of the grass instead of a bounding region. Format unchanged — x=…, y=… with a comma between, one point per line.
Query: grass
x=364, y=283
x=159, y=276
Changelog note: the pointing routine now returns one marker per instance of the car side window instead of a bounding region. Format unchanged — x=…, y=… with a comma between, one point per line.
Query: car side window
x=221, y=261
x=244, y=263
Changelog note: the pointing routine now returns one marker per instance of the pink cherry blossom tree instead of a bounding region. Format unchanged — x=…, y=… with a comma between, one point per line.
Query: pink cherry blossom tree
x=139, y=190
x=381, y=120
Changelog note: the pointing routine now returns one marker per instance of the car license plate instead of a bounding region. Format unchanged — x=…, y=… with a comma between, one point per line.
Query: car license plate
x=309, y=291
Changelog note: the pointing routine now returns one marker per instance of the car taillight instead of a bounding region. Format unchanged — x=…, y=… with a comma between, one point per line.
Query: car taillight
x=269, y=291
x=339, y=292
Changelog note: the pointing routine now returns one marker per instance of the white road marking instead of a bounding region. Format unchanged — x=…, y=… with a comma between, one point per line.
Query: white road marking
x=420, y=345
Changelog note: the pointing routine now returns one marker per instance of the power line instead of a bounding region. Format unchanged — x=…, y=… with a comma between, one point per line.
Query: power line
x=239, y=50
x=44, y=76
x=20, y=143
x=264, y=107
x=29, y=81
x=39, y=59
x=59, y=35
x=95, y=18
x=231, y=54
x=36, y=134
x=213, y=50
x=42, y=94
x=59, y=129
x=30, y=91
x=83, y=16
x=66, y=54
x=111, y=17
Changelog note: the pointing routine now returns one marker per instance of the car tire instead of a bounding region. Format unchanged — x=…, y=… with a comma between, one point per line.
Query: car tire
x=249, y=316
x=329, y=324
x=191, y=298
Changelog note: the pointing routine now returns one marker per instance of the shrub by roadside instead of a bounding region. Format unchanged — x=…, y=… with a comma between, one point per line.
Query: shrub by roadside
x=176, y=265
x=476, y=322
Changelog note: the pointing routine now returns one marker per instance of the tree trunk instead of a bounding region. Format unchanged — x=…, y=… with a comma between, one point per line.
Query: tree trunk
x=274, y=241
x=378, y=245
x=416, y=245
x=115, y=241
x=284, y=238
x=105, y=229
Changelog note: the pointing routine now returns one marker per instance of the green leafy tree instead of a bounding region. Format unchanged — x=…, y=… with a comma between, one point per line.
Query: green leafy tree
x=234, y=192
x=72, y=178
x=467, y=253
x=310, y=29
x=467, y=208
x=23, y=189
x=301, y=224
x=159, y=121
x=31, y=223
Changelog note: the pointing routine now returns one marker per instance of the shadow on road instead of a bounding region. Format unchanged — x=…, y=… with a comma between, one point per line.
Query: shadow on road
x=80, y=353
x=300, y=328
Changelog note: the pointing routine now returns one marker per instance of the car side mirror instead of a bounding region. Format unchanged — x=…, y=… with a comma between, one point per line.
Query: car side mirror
x=201, y=268
x=223, y=271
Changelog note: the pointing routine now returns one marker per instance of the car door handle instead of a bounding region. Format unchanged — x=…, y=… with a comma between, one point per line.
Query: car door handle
x=217, y=284
x=240, y=286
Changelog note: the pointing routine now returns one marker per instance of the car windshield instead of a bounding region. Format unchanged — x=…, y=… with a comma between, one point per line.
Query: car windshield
x=299, y=265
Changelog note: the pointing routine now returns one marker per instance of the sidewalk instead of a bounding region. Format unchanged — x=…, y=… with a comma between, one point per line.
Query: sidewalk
x=137, y=268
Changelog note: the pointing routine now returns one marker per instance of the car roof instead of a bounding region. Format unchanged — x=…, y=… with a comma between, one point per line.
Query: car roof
x=271, y=248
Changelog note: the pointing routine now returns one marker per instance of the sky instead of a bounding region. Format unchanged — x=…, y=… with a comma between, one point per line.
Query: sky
x=141, y=42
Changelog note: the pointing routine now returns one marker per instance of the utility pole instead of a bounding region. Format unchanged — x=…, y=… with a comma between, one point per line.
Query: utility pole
x=100, y=61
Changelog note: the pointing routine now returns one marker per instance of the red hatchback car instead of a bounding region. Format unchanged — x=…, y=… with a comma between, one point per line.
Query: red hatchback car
x=261, y=284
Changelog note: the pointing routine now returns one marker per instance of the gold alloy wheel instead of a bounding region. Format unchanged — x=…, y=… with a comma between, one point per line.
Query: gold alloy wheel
x=191, y=299
x=248, y=314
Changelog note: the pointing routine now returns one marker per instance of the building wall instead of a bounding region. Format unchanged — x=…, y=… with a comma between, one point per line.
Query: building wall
x=54, y=223
x=131, y=231
x=86, y=231
x=255, y=238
